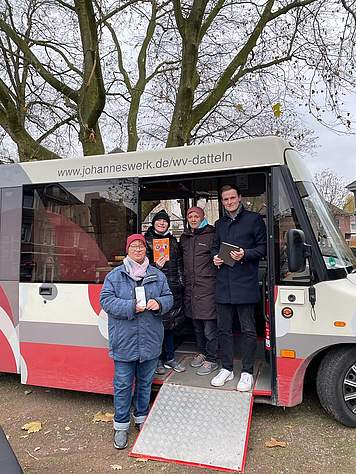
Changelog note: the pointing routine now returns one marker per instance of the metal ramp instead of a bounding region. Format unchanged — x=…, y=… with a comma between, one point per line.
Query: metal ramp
x=198, y=426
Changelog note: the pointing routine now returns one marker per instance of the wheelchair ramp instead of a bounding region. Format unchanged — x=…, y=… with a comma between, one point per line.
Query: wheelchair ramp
x=204, y=427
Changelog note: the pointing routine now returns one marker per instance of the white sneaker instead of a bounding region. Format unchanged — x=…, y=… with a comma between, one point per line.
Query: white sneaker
x=245, y=383
x=223, y=376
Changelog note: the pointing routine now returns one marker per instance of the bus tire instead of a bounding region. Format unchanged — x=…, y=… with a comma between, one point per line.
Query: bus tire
x=337, y=397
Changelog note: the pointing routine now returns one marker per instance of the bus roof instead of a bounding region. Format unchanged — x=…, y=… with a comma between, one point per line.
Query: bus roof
x=240, y=154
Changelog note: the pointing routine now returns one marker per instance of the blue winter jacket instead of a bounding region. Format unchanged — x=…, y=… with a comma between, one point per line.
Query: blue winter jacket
x=239, y=284
x=134, y=336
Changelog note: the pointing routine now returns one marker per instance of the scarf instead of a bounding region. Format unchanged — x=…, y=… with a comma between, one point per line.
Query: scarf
x=161, y=233
x=136, y=270
x=203, y=223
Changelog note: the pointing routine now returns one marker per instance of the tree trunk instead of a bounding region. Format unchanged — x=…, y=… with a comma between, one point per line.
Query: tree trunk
x=91, y=101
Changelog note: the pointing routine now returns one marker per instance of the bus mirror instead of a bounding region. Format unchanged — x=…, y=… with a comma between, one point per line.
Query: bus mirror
x=296, y=250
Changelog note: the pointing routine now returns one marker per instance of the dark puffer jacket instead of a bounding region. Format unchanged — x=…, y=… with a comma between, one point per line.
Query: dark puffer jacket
x=199, y=273
x=173, y=269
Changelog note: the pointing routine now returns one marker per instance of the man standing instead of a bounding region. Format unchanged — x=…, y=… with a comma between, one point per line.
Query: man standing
x=199, y=294
x=237, y=287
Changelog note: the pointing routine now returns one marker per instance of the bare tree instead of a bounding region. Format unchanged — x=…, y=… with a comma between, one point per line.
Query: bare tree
x=173, y=72
x=44, y=70
x=331, y=187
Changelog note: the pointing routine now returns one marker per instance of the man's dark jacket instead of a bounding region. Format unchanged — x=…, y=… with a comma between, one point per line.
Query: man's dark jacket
x=199, y=273
x=239, y=284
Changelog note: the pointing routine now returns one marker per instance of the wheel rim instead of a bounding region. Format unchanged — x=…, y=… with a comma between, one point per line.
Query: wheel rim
x=349, y=389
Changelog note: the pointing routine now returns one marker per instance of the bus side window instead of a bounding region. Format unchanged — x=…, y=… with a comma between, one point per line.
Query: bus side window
x=284, y=219
x=76, y=231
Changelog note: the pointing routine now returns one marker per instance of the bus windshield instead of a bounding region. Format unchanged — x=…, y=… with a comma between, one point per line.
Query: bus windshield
x=337, y=255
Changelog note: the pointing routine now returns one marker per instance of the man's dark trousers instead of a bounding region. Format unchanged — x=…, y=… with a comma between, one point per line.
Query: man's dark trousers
x=246, y=315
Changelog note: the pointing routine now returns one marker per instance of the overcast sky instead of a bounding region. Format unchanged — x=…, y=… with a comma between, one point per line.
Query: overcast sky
x=335, y=151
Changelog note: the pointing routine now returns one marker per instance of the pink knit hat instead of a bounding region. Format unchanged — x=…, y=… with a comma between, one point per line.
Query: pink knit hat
x=132, y=238
x=198, y=210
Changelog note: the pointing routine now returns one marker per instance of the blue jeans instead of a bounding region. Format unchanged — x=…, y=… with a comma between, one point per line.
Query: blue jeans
x=168, y=345
x=126, y=374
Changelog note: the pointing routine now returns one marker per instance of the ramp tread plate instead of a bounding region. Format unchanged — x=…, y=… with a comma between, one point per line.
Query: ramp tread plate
x=197, y=426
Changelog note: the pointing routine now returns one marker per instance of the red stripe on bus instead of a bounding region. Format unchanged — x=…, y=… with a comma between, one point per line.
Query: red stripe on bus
x=7, y=358
x=94, y=295
x=4, y=303
x=290, y=380
x=88, y=369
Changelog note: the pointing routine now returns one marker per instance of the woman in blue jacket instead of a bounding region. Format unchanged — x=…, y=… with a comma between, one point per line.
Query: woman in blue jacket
x=135, y=332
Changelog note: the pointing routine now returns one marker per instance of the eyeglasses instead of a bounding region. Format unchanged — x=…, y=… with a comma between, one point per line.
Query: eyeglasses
x=137, y=248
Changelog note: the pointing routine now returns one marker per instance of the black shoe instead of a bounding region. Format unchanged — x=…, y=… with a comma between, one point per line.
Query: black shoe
x=160, y=370
x=120, y=439
x=139, y=426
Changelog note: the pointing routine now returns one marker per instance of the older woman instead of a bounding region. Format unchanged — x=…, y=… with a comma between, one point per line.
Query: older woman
x=135, y=332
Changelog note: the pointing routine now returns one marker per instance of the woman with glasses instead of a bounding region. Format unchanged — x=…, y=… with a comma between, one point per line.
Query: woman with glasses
x=134, y=295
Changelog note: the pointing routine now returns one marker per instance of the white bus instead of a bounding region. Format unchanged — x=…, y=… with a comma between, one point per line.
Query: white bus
x=63, y=226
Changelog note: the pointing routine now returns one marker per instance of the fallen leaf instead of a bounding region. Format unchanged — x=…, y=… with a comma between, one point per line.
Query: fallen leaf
x=38, y=447
x=100, y=416
x=27, y=392
x=274, y=443
x=116, y=467
x=32, y=426
x=67, y=428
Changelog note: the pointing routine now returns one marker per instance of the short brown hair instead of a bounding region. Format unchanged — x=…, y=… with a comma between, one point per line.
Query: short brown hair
x=227, y=187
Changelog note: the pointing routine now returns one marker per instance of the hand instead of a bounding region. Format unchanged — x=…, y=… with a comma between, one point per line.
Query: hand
x=139, y=309
x=237, y=254
x=152, y=305
x=161, y=261
x=217, y=261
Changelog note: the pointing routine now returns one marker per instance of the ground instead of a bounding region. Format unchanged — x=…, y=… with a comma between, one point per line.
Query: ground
x=70, y=442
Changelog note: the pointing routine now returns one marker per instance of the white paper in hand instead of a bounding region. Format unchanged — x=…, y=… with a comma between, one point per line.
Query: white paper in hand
x=140, y=296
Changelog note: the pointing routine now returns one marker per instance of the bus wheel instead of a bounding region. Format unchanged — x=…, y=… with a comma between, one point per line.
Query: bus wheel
x=336, y=384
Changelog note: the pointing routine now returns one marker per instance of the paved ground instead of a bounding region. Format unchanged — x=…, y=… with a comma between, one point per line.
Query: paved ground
x=70, y=442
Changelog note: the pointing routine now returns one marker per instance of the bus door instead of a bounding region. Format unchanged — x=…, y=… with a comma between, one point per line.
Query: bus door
x=176, y=194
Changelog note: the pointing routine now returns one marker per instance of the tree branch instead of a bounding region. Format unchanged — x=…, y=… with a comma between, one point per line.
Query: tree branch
x=55, y=127
x=49, y=44
x=239, y=61
x=119, y=57
x=115, y=11
x=348, y=8
x=66, y=5
x=290, y=6
x=181, y=21
x=212, y=15
x=32, y=59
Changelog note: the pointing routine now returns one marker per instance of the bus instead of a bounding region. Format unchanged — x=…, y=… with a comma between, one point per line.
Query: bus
x=63, y=226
